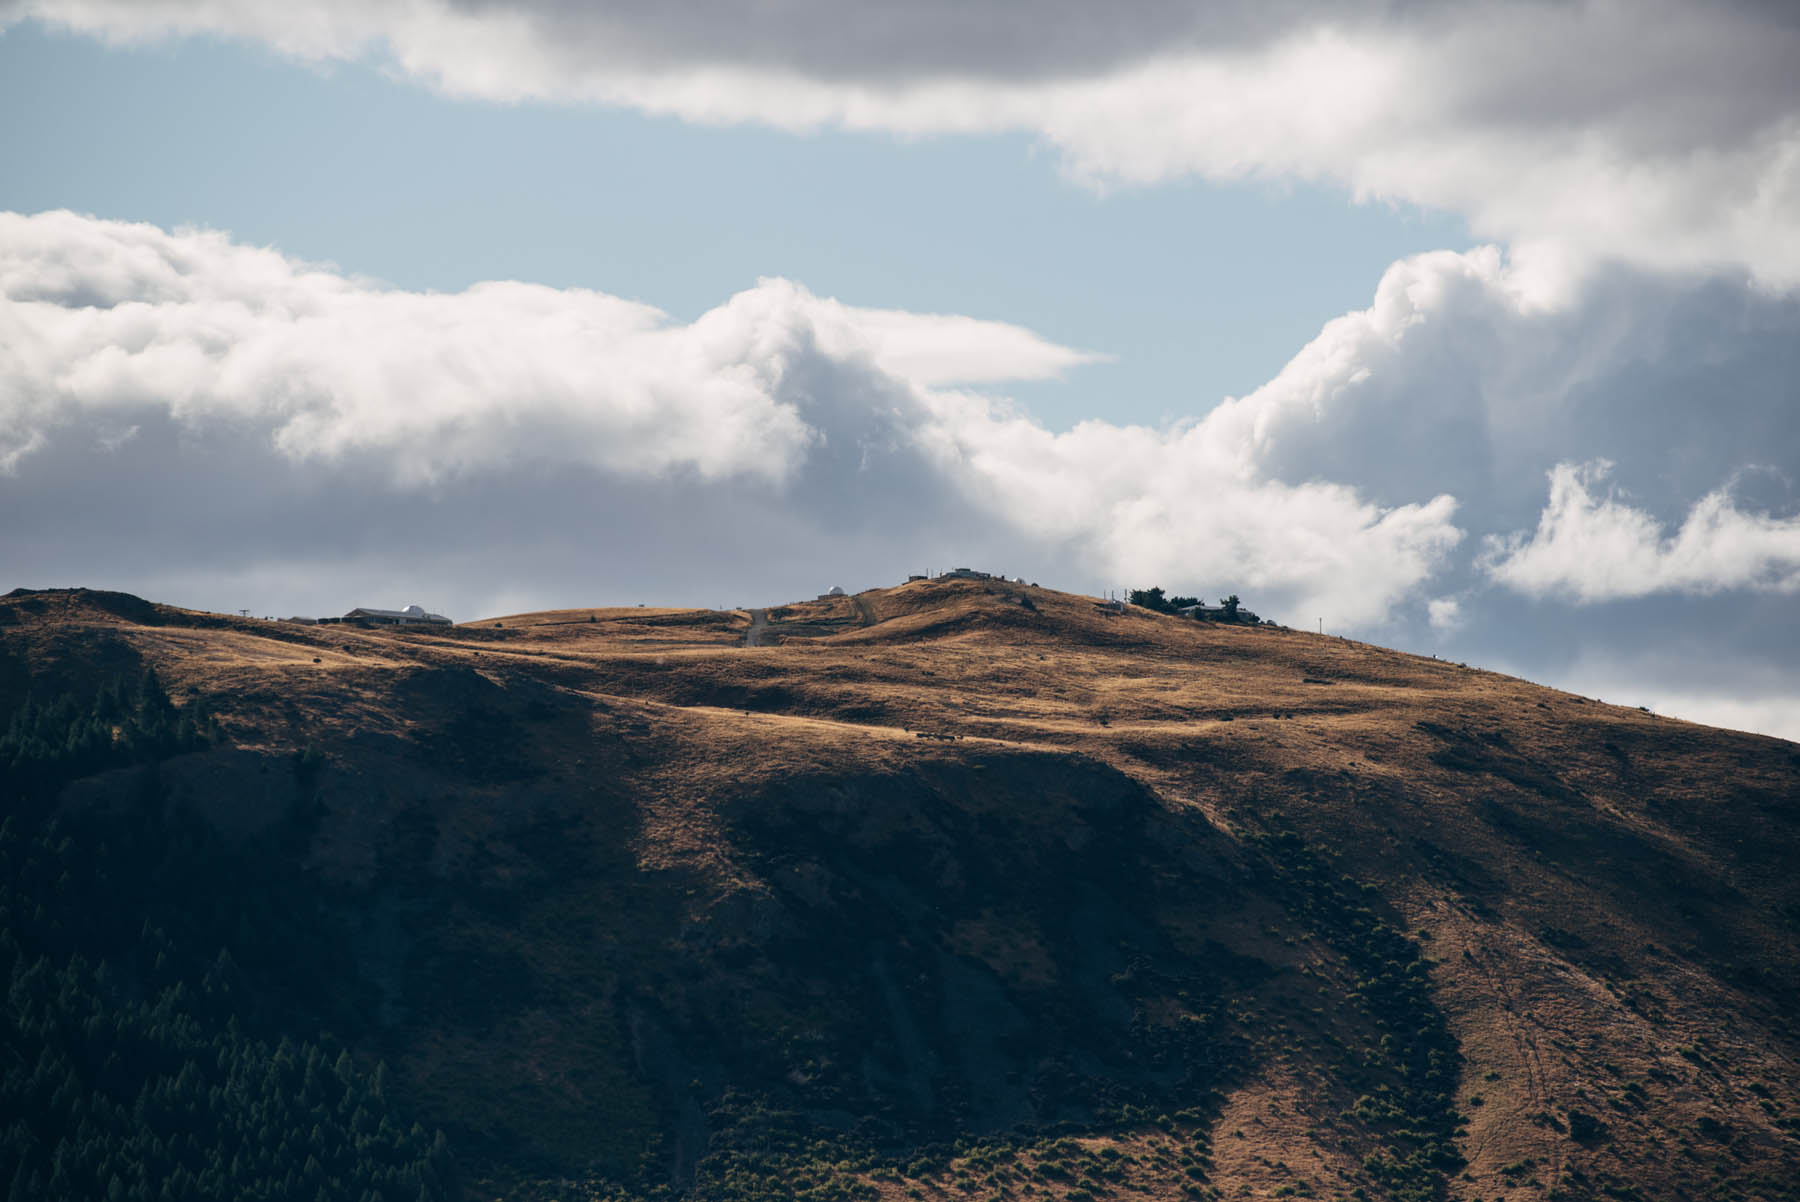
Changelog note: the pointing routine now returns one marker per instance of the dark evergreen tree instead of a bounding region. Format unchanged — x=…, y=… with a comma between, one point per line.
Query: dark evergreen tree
x=129, y=1064
x=1151, y=598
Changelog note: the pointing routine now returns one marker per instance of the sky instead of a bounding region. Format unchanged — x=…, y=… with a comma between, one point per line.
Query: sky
x=1467, y=328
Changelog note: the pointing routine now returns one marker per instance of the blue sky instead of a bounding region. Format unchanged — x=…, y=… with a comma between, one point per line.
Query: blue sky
x=527, y=303
x=1198, y=290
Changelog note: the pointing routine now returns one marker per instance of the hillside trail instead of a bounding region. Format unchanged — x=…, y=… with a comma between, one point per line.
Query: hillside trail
x=759, y=621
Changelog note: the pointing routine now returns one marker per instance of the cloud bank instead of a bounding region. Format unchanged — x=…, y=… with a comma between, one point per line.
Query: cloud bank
x=838, y=414
x=1659, y=133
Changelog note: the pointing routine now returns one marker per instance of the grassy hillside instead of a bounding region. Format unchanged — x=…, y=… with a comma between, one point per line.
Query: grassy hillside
x=951, y=890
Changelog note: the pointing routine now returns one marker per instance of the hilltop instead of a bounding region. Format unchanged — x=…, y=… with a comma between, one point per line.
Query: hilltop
x=959, y=889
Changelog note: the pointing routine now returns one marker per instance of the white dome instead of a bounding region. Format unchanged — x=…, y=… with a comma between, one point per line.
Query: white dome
x=835, y=592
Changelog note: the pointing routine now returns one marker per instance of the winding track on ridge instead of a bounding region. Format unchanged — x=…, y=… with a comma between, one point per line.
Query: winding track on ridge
x=758, y=631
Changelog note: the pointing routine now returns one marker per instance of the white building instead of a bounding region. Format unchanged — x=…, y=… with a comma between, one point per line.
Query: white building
x=412, y=615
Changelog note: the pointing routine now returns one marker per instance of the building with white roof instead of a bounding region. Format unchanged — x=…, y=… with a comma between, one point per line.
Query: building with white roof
x=412, y=615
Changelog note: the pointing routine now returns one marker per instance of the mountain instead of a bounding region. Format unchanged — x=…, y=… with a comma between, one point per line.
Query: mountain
x=959, y=889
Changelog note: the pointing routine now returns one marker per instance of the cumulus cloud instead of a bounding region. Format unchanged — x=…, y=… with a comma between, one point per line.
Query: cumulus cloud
x=1335, y=490
x=1192, y=503
x=103, y=319
x=1664, y=133
x=1599, y=548
x=1455, y=381
x=810, y=404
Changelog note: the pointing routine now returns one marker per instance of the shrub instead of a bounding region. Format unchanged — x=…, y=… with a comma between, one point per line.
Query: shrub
x=1584, y=1126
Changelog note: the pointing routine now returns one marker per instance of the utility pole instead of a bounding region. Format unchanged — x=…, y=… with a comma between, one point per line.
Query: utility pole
x=1321, y=625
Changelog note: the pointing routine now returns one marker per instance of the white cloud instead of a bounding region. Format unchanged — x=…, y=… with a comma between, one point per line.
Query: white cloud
x=1335, y=490
x=103, y=318
x=1191, y=504
x=935, y=349
x=1591, y=548
x=1444, y=613
x=104, y=325
x=1664, y=133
